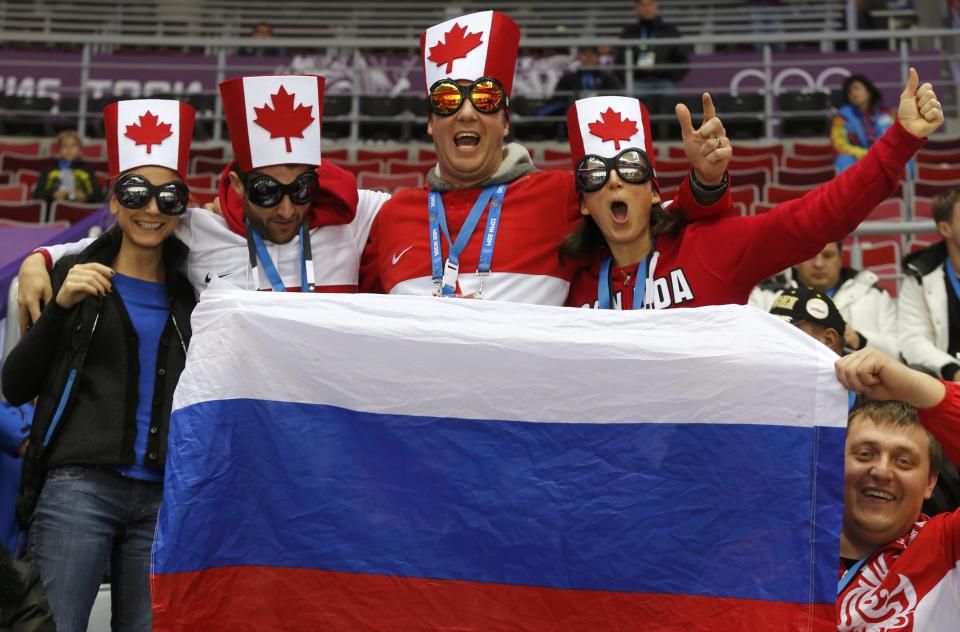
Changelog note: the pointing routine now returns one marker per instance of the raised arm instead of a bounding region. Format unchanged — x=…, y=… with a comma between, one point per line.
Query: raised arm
x=708, y=151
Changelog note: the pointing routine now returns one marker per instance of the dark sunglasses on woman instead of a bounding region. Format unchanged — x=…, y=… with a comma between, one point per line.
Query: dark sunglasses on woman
x=135, y=191
x=631, y=164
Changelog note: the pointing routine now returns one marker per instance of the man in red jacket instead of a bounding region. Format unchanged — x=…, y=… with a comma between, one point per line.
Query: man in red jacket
x=900, y=570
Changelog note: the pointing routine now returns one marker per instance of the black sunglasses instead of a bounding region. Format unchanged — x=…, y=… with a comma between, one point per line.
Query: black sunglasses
x=267, y=191
x=486, y=94
x=632, y=166
x=134, y=191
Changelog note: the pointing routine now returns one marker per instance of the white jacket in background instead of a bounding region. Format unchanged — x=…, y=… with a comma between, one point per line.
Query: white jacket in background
x=865, y=306
x=924, y=323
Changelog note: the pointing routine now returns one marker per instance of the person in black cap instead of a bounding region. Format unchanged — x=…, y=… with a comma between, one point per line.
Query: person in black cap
x=814, y=313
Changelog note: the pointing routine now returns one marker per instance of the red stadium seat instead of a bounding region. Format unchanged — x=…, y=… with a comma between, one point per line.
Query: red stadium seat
x=199, y=197
x=930, y=157
x=213, y=153
x=356, y=168
x=891, y=209
x=429, y=155
x=740, y=208
x=21, y=149
x=97, y=165
x=202, y=181
x=814, y=149
x=930, y=172
x=6, y=177
x=763, y=207
x=933, y=188
x=31, y=211
x=769, y=163
x=754, y=177
x=402, y=166
x=880, y=253
x=746, y=195
x=805, y=162
x=71, y=212
x=28, y=177
x=781, y=193
x=339, y=153
x=389, y=182
x=672, y=165
x=759, y=151
x=103, y=179
x=922, y=208
x=14, y=193
x=206, y=165
x=15, y=162
x=668, y=179
x=556, y=154
x=942, y=144
x=382, y=155
x=803, y=177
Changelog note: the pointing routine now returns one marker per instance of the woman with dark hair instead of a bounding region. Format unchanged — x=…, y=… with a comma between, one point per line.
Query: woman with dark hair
x=860, y=122
x=103, y=360
x=639, y=257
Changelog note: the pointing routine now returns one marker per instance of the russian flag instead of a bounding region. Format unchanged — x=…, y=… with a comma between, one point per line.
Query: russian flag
x=403, y=463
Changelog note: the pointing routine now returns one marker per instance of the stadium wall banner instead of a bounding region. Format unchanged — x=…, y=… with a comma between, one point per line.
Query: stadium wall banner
x=345, y=462
x=56, y=74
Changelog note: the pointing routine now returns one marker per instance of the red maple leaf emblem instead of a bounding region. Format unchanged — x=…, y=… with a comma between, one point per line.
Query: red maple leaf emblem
x=456, y=45
x=149, y=131
x=283, y=120
x=612, y=126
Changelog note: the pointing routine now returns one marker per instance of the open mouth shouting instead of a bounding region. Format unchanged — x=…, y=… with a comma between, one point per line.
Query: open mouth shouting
x=619, y=210
x=466, y=139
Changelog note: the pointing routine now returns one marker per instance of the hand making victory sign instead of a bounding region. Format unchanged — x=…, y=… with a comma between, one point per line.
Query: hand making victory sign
x=707, y=148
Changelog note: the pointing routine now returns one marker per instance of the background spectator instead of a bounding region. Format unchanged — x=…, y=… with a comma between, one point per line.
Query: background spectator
x=870, y=313
x=262, y=30
x=649, y=73
x=860, y=122
x=587, y=79
x=14, y=430
x=68, y=178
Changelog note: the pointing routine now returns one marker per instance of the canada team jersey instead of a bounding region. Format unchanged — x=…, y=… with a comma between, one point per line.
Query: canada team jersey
x=539, y=211
x=913, y=584
x=217, y=251
x=720, y=261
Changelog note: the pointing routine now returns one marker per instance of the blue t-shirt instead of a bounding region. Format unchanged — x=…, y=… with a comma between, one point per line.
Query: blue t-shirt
x=146, y=303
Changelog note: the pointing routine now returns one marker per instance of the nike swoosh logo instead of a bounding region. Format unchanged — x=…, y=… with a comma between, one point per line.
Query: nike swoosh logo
x=396, y=258
x=210, y=277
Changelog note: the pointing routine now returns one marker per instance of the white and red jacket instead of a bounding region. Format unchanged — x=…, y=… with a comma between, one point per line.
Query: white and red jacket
x=718, y=262
x=340, y=220
x=913, y=584
x=540, y=208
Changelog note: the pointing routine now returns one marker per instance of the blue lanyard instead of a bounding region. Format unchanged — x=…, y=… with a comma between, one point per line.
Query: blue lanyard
x=952, y=275
x=851, y=400
x=445, y=274
x=831, y=291
x=276, y=282
x=850, y=574
x=639, y=286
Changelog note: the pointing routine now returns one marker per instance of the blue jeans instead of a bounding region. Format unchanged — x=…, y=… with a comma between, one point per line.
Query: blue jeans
x=89, y=520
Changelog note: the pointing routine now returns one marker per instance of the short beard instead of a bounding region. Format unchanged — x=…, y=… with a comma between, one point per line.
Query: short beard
x=258, y=225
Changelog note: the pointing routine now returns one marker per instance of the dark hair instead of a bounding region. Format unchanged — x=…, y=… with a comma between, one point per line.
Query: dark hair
x=899, y=415
x=586, y=240
x=943, y=205
x=875, y=97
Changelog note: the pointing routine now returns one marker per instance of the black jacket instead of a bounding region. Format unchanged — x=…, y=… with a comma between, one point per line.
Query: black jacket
x=85, y=180
x=83, y=365
x=674, y=54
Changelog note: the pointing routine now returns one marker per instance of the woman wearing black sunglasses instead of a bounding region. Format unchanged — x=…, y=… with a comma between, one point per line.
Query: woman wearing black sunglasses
x=103, y=360
x=640, y=257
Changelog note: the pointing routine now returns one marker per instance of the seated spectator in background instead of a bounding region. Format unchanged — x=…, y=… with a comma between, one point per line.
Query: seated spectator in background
x=649, y=72
x=262, y=30
x=68, y=178
x=23, y=602
x=870, y=313
x=587, y=80
x=813, y=313
x=14, y=431
x=898, y=567
x=103, y=361
x=860, y=122
x=928, y=329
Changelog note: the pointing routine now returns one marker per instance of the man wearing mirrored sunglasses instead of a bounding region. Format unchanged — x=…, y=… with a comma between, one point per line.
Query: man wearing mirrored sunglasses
x=289, y=221
x=488, y=223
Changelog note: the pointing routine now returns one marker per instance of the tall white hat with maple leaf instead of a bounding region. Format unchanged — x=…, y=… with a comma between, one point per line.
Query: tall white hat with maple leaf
x=478, y=45
x=274, y=119
x=605, y=126
x=143, y=132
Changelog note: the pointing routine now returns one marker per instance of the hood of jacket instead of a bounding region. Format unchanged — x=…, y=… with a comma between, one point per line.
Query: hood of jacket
x=335, y=202
x=516, y=163
x=922, y=262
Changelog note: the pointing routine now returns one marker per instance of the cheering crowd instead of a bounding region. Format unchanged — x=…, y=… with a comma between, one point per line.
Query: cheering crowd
x=107, y=320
